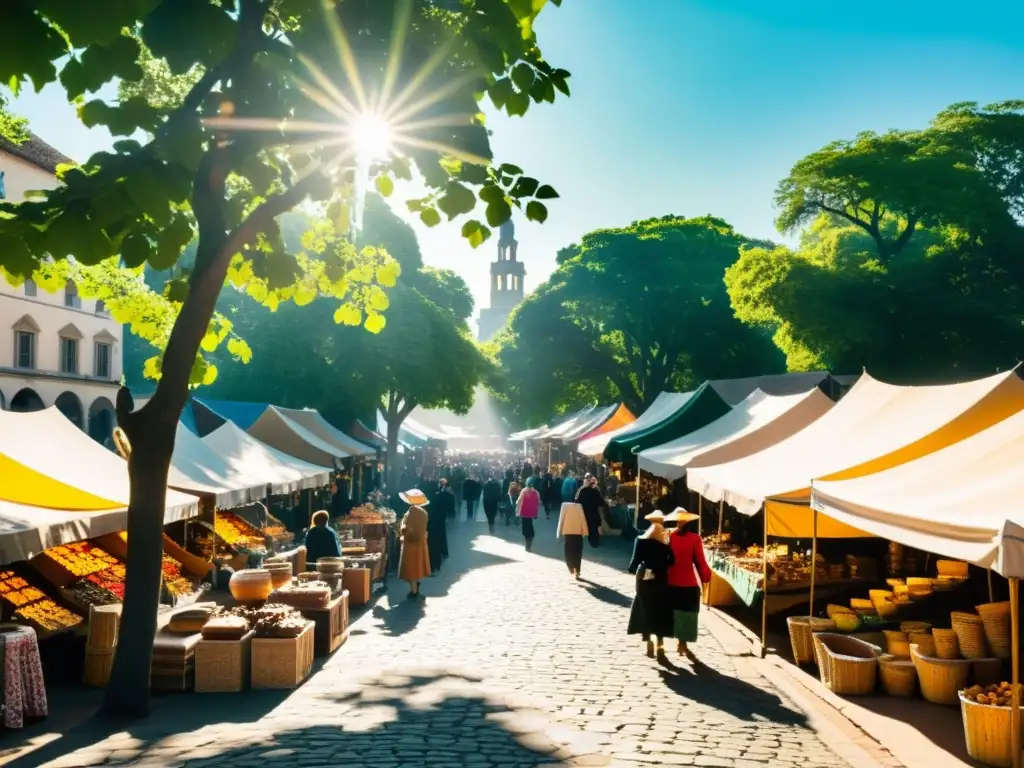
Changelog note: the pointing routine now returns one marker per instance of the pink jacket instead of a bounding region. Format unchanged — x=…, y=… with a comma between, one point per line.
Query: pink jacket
x=688, y=550
x=528, y=504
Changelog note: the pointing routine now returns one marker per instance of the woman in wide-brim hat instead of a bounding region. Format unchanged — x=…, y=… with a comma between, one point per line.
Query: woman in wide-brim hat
x=651, y=612
x=414, y=561
x=685, y=576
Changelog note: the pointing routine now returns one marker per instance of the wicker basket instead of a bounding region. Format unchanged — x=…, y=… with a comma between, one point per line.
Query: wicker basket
x=223, y=665
x=899, y=676
x=98, y=663
x=848, y=666
x=970, y=632
x=941, y=679
x=956, y=568
x=800, y=629
x=986, y=671
x=946, y=644
x=104, y=622
x=915, y=626
x=925, y=643
x=987, y=732
x=280, y=573
x=995, y=618
x=282, y=662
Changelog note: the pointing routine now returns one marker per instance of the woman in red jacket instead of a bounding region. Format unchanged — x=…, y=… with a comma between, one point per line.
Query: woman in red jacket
x=688, y=571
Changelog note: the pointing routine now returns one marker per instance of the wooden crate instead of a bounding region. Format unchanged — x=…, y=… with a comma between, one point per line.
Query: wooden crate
x=282, y=662
x=223, y=665
x=98, y=663
x=357, y=583
x=330, y=628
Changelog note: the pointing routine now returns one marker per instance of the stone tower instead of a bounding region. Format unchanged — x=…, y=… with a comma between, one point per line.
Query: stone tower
x=507, y=274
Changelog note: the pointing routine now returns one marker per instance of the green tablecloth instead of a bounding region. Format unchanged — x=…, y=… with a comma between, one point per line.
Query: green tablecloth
x=743, y=582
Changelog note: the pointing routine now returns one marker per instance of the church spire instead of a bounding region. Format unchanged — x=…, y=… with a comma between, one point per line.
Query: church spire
x=507, y=275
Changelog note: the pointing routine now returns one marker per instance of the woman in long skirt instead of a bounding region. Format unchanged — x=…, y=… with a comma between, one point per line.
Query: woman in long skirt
x=688, y=571
x=572, y=527
x=651, y=614
x=414, y=559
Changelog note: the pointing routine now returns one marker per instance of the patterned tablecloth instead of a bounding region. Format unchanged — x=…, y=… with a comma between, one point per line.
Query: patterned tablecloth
x=24, y=690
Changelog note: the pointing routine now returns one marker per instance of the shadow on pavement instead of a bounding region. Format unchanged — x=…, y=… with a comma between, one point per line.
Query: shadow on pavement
x=400, y=617
x=700, y=683
x=606, y=594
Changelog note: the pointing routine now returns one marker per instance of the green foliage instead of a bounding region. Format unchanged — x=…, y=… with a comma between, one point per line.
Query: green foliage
x=627, y=314
x=12, y=128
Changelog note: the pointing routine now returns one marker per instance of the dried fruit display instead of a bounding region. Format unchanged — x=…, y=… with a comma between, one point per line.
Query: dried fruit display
x=24, y=596
x=87, y=592
x=110, y=581
x=46, y=616
x=996, y=695
x=233, y=530
x=10, y=582
x=82, y=558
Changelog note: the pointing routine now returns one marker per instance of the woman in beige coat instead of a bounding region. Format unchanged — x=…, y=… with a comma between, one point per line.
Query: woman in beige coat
x=414, y=561
x=572, y=526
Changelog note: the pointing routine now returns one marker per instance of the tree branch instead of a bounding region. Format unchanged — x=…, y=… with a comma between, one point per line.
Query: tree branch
x=259, y=220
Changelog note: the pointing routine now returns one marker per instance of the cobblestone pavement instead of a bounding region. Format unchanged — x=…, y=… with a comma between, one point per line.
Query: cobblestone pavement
x=505, y=662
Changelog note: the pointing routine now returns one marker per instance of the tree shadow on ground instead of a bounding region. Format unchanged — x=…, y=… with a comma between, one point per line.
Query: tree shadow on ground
x=420, y=719
x=400, y=616
x=704, y=685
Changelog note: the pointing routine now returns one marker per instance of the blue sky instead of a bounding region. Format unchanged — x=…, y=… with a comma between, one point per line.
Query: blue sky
x=701, y=106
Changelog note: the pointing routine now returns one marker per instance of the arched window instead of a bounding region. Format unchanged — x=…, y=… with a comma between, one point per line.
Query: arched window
x=71, y=297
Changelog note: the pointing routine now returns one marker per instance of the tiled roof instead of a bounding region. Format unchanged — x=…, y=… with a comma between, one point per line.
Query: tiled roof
x=37, y=152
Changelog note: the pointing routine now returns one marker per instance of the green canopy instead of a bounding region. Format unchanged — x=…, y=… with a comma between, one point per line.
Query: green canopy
x=700, y=409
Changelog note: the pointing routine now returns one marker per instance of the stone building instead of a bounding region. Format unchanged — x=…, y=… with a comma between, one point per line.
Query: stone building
x=507, y=275
x=55, y=348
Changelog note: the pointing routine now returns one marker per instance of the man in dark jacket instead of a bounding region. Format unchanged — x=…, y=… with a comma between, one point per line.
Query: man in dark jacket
x=471, y=490
x=590, y=498
x=492, y=497
x=441, y=508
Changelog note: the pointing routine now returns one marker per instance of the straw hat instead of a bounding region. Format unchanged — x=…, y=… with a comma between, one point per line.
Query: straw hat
x=680, y=515
x=657, y=516
x=414, y=496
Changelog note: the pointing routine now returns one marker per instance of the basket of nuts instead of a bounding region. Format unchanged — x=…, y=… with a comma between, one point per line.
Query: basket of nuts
x=986, y=715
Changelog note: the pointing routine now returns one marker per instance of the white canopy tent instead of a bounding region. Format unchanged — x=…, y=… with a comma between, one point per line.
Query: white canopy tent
x=874, y=427
x=594, y=420
x=564, y=427
x=279, y=430
x=664, y=405
x=754, y=424
x=25, y=531
x=244, y=453
x=197, y=468
x=319, y=426
x=965, y=501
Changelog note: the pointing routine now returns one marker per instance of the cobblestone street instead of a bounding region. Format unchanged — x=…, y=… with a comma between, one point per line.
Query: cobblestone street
x=506, y=662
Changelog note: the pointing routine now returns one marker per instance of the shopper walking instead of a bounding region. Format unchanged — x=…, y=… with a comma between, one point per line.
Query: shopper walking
x=321, y=540
x=414, y=560
x=514, y=489
x=492, y=498
x=527, y=509
x=550, y=493
x=572, y=527
x=590, y=498
x=471, y=493
x=569, y=486
x=688, y=571
x=437, y=525
x=651, y=614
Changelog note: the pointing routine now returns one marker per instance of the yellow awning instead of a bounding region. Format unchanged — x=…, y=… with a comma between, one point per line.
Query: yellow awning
x=22, y=485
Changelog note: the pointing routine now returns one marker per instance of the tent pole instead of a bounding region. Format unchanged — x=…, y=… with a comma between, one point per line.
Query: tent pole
x=764, y=591
x=700, y=516
x=1015, y=745
x=991, y=597
x=721, y=519
x=636, y=515
x=814, y=560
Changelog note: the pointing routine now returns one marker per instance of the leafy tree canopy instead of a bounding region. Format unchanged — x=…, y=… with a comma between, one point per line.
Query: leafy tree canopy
x=627, y=314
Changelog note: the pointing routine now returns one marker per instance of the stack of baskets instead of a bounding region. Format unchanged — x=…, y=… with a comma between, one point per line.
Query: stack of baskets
x=970, y=633
x=995, y=618
x=801, y=636
x=104, y=622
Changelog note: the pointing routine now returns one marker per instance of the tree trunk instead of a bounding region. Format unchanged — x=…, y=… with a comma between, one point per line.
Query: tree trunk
x=394, y=475
x=152, y=442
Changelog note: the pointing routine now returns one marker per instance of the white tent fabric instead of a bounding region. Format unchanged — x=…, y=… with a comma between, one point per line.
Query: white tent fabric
x=80, y=462
x=528, y=434
x=420, y=431
x=874, y=427
x=479, y=429
x=754, y=424
x=566, y=426
x=965, y=501
x=319, y=426
x=245, y=454
x=26, y=531
x=664, y=405
x=596, y=418
x=280, y=431
x=197, y=468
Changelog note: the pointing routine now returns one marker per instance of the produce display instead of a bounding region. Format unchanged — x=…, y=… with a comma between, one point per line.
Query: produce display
x=278, y=621
x=997, y=695
x=85, y=592
x=46, y=616
x=81, y=558
x=236, y=532
x=176, y=584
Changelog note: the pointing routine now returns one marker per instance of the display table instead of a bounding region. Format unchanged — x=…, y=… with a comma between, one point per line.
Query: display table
x=24, y=690
x=732, y=582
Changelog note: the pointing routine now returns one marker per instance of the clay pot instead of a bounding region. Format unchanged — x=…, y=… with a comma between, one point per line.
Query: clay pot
x=252, y=585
